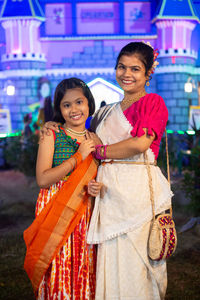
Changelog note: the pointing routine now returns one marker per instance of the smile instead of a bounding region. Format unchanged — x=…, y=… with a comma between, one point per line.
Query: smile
x=127, y=81
x=76, y=117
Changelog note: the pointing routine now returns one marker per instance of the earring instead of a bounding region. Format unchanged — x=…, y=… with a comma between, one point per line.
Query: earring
x=148, y=83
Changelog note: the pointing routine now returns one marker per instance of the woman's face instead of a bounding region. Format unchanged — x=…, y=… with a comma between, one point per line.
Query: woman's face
x=130, y=74
x=74, y=109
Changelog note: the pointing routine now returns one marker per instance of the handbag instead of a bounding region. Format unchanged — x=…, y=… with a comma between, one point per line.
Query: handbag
x=162, y=240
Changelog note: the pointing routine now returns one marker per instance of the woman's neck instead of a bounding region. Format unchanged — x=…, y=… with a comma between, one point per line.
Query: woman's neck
x=129, y=99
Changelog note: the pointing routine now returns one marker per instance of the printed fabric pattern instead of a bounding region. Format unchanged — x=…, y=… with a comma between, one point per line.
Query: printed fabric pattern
x=65, y=147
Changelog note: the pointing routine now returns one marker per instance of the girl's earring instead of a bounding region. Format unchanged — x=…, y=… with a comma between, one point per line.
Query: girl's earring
x=147, y=83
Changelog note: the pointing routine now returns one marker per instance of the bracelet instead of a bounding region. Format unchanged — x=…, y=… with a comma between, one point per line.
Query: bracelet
x=100, y=152
x=105, y=149
x=78, y=158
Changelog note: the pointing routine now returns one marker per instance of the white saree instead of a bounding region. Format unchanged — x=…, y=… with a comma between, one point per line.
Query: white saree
x=121, y=221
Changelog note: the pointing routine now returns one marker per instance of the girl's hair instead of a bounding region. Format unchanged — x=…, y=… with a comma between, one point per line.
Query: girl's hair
x=61, y=90
x=143, y=51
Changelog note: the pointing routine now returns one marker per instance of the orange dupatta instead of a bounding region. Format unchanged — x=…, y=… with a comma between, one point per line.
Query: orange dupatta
x=49, y=231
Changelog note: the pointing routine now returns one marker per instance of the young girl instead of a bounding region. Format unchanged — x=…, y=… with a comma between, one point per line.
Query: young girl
x=59, y=262
x=122, y=215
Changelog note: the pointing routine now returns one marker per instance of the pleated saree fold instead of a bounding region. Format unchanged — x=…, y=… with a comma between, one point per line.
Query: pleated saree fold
x=50, y=230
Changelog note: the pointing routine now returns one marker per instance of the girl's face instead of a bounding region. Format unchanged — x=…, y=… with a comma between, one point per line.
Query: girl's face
x=74, y=109
x=130, y=74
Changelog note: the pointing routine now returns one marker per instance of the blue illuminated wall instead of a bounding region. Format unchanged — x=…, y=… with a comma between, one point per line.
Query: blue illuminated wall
x=83, y=38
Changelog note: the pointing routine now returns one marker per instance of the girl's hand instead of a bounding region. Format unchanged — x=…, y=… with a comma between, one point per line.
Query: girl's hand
x=46, y=129
x=86, y=147
x=93, y=136
x=94, y=188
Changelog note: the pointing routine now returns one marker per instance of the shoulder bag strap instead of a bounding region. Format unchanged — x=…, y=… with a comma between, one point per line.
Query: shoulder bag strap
x=150, y=176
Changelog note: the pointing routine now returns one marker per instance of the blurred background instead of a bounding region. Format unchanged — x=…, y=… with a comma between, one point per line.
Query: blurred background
x=43, y=42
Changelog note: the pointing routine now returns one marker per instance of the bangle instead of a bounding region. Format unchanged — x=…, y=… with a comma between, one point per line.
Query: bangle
x=78, y=158
x=100, y=152
x=104, y=153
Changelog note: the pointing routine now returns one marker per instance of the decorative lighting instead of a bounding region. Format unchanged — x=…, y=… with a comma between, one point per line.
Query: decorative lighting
x=170, y=131
x=10, y=90
x=4, y=135
x=180, y=132
x=103, y=90
x=190, y=132
x=189, y=85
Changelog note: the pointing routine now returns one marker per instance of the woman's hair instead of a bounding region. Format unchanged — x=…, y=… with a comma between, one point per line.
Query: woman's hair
x=61, y=90
x=143, y=51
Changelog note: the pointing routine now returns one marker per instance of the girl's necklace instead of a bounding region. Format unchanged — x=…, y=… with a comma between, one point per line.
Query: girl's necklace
x=76, y=133
x=125, y=103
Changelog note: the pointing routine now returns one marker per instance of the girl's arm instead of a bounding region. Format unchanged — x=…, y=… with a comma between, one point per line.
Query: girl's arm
x=130, y=146
x=45, y=174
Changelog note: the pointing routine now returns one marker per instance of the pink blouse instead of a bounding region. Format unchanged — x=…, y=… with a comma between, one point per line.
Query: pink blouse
x=148, y=112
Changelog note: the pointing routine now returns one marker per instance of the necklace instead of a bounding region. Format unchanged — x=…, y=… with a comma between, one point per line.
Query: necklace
x=125, y=103
x=77, y=133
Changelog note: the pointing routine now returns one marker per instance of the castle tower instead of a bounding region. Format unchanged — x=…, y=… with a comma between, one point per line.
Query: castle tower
x=175, y=21
x=23, y=61
x=21, y=20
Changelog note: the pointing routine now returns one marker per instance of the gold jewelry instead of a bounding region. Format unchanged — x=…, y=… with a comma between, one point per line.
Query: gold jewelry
x=147, y=83
x=102, y=151
x=77, y=133
x=125, y=103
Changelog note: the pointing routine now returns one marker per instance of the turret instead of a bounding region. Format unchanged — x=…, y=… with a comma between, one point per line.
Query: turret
x=175, y=21
x=23, y=61
x=21, y=21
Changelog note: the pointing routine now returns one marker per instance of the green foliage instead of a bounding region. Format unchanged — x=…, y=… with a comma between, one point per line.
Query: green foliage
x=191, y=181
x=20, y=153
x=173, y=149
x=184, y=160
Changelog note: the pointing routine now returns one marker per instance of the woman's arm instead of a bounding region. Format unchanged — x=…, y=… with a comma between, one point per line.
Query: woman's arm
x=45, y=174
x=130, y=147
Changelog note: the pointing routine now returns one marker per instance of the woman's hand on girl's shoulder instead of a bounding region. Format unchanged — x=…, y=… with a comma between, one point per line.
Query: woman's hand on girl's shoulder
x=45, y=137
x=46, y=129
x=93, y=136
